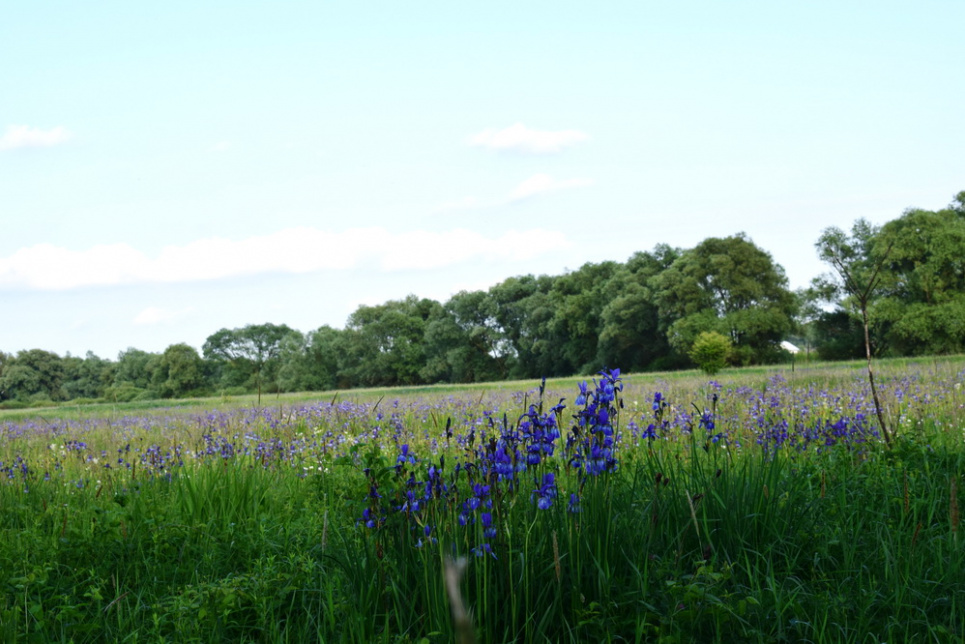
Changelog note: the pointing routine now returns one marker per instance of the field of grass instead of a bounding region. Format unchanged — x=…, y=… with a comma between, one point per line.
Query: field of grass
x=761, y=506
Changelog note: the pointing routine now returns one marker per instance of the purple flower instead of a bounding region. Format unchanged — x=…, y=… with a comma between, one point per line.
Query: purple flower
x=546, y=492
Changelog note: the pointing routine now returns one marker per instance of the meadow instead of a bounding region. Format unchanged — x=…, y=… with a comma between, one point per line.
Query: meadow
x=759, y=506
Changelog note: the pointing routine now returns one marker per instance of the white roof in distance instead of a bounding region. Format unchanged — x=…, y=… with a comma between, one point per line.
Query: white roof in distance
x=787, y=346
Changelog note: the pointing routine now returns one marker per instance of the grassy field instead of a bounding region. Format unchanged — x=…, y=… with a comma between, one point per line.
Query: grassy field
x=760, y=506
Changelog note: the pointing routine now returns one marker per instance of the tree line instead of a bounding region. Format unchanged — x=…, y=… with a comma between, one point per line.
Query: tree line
x=644, y=314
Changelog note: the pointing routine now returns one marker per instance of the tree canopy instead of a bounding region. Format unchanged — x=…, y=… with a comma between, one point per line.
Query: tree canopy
x=896, y=289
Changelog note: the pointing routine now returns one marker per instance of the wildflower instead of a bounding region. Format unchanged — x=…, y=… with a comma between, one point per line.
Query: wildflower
x=482, y=550
x=581, y=398
x=489, y=532
x=546, y=492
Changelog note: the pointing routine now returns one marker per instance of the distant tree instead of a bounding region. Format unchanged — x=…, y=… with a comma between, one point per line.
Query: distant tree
x=248, y=355
x=730, y=286
x=921, y=307
x=5, y=358
x=631, y=335
x=578, y=299
x=307, y=363
x=524, y=314
x=87, y=377
x=446, y=349
x=180, y=372
x=386, y=342
x=134, y=372
x=19, y=382
x=293, y=364
x=329, y=357
x=464, y=343
x=33, y=374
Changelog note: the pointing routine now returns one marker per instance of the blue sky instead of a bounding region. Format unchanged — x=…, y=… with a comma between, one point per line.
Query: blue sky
x=169, y=169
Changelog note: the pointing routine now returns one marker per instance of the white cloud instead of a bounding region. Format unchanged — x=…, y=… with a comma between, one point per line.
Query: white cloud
x=545, y=183
x=519, y=138
x=220, y=146
x=293, y=250
x=24, y=136
x=154, y=315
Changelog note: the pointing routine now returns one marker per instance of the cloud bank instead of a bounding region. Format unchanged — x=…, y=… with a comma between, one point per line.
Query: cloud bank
x=542, y=182
x=519, y=138
x=293, y=250
x=24, y=136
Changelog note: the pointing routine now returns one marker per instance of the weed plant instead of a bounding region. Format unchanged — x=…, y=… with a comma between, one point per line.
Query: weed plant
x=759, y=507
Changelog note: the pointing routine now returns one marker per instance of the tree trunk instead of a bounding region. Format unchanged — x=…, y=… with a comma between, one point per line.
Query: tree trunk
x=871, y=375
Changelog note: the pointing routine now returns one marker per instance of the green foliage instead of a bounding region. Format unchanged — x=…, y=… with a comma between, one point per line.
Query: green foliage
x=180, y=372
x=33, y=373
x=730, y=286
x=464, y=343
x=88, y=377
x=903, y=283
x=384, y=343
x=125, y=392
x=710, y=352
x=579, y=298
x=136, y=368
x=248, y=356
x=858, y=277
x=923, y=303
x=632, y=332
x=838, y=336
x=524, y=311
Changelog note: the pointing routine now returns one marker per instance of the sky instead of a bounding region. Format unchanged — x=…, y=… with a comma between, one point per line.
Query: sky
x=169, y=169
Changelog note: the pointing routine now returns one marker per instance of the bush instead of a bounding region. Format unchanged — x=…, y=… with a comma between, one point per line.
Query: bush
x=710, y=351
x=86, y=401
x=124, y=392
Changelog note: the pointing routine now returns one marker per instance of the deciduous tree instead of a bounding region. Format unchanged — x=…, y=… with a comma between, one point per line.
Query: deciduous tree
x=180, y=372
x=731, y=286
x=858, y=273
x=248, y=354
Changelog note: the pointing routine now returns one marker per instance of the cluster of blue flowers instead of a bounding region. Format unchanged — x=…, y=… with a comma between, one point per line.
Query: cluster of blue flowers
x=591, y=445
x=513, y=459
x=658, y=424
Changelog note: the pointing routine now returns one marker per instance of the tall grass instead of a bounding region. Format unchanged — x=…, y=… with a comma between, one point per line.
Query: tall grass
x=762, y=507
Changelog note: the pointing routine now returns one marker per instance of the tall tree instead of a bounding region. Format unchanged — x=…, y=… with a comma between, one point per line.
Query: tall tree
x=135, y=368
x=87, y=377
x=631, y=336
x=250, y=353
x=731, y=286
x=309, y=362
x=858, y=273
x=5, y=358
x=579, y=298
x=33, y=374
x=180, y=372
x=386, y=342
x=524, y=312
x=922, y=307
x=329, y=357
x=464, y=343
